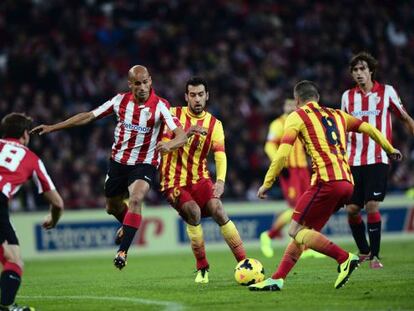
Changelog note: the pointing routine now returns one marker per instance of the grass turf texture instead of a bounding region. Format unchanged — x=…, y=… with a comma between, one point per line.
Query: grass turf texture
x=166, y=282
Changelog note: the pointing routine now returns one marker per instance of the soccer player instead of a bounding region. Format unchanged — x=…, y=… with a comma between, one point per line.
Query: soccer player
x=322, y=130
x=18, y=164
x=186, y=182
x=373, y=103
x=294, y=179
x=141, y=116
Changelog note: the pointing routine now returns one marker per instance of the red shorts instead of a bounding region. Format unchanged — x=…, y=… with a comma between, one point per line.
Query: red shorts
x=320, y=201
x=294, y=182
x=200, y=192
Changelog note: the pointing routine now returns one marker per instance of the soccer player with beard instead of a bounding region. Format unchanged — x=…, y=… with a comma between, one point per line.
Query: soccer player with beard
x=141, y=115
x=186, y=182
x=322, y=130
x=18, y=164
x=373, y=103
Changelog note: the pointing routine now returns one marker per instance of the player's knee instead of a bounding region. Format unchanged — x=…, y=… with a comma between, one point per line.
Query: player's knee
x=372, y=207
x=353, y=210
x=194, y=215
x=112, y=209
x=292, y=232
x=220, y=216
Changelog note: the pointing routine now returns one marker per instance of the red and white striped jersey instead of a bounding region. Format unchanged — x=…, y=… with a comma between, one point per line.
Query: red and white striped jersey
x=18, y=164
x=373, y=107
x=139, y=127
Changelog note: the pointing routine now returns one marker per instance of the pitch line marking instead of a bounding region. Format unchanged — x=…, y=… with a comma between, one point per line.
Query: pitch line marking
x=168, y=305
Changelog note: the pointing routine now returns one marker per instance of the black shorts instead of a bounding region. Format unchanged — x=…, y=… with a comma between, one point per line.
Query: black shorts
x=7, y=232
x=120, y=176
x=370, y=183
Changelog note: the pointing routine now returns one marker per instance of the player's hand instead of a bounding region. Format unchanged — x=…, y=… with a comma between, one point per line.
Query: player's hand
x=396, y=155
x=41, y=129
x=48, y=223
x=218, y=189
x=261, y=193
x=196, y=129
x=163, y=147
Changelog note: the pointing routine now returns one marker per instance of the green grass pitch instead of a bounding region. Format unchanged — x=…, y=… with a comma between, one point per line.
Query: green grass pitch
x=166, y=282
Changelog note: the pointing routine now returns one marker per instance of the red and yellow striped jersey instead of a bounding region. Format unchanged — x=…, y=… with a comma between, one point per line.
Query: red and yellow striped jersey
x=297, y=157
x=188, y=164
x=322, y=130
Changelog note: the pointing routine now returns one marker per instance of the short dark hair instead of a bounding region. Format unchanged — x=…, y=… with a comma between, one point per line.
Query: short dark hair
x=194, y=81
x=364, y=57
x=15, y=124
x=306, y=90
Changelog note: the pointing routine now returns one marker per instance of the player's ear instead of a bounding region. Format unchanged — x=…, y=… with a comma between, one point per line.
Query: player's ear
x=186, y=97
x=207, y=95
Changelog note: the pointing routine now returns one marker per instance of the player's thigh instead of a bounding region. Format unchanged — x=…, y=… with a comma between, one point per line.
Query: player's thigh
x=12, y=253
x=376, y=182
x=320, y=201
x=358, y=195
x=182, y=201
x=203, y=194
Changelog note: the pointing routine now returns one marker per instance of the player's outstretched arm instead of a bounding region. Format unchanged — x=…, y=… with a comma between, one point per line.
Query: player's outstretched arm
x=376, y=135
x=179, y=140
x=76, y=120
x=56, y=209
x=408, y=121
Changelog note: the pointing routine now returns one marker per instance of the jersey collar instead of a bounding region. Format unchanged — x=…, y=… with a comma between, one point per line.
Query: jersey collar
x=152, y=99
x=375, y=88
x=196, y=116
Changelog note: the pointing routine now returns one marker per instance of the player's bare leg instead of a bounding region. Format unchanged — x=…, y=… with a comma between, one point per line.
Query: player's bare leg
x=118, y=207
x=228, y=229
x=191, y=213
x=137, y=192
x=11, y=276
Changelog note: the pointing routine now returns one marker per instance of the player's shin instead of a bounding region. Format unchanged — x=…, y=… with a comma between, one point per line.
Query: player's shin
x=358, y=232
x=318, y=242
x=130, y=226
x=232, y=237
x=195, y=234
x=10, y=280
x=289, y=259
x=374, y=233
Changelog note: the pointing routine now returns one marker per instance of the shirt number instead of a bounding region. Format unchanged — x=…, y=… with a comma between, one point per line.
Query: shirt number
x=11, y=156
x=331, y=131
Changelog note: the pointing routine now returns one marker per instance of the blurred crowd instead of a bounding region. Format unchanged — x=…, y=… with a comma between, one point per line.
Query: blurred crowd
x=61, y=57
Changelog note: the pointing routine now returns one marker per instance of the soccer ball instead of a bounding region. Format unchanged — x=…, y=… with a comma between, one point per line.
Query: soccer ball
x=249, y=271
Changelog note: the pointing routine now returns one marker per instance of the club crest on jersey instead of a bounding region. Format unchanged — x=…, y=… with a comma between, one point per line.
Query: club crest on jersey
x=377, y=99
x=147, y=113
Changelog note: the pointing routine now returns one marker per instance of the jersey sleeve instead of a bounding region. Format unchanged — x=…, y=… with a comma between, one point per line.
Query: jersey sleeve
x=218, y=147
x=217, y=137
x=293, y=126
x=41, y=178
x=352, y=123
x=344, y=101
x=167, y=117
x=395, y=102
x=106, y=108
